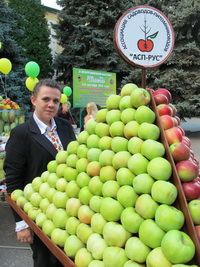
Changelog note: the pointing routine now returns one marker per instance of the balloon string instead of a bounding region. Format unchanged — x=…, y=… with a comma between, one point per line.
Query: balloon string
x=4, y=88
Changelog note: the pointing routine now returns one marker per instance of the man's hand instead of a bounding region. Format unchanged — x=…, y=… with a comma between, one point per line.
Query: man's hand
x=25, y=236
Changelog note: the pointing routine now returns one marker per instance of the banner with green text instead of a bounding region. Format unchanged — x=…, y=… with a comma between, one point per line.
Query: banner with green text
x=92, y=85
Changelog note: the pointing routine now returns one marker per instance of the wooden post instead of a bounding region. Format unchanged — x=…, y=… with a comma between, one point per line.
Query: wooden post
x=144, y=78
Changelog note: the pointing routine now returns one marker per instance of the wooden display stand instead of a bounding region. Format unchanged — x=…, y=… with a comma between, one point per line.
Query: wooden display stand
x=181, y=204
x=58, y=252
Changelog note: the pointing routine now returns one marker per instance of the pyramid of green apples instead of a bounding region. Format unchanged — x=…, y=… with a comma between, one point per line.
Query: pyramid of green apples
x=108, y=200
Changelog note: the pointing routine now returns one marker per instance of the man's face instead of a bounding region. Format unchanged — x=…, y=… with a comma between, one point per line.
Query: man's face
x=46, y=103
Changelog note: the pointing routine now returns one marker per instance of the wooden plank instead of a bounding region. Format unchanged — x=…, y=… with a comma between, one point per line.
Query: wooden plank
x=58, y=252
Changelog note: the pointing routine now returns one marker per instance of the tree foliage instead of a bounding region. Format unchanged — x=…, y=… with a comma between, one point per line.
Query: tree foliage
x=36, y=34
x=85, y=31
x=13, y=82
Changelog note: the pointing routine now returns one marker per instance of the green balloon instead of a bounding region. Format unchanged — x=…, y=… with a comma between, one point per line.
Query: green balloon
x=67, y=90
x=32, y=69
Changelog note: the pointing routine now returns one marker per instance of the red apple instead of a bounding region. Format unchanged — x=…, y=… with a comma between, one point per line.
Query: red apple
x=161, y=99
x=173, y=135
x=197, y=227
x=191, y=189
x=181, y=130
x=164, y=92
x=164, y=109
x=167, y=121
x=179, y=151
x=174, y=110
x=187, y=170
x=177, y=120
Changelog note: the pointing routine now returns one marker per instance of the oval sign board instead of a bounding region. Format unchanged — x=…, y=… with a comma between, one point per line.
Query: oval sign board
x=144, y=37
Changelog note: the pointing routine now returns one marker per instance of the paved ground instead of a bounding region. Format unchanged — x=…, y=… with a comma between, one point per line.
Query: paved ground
x=15, y=254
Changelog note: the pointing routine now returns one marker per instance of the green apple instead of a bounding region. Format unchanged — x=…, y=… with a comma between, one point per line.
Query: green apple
x=125, y=102
x=128, y=115
x=169, y=217
x=152, y=149
x=93, y=168
x=159, y=168
x=115, y=235
x=105, y=142
x=117, y=129
x=93, y=154
x=33, y=213
x=150, y=233
x=83, y=257
x=136, y=250
x=61, y=184
x=114, y=256
x=61, y=156
x=138, y=163
x=72, y=189
x=59, y=236
x=27, y=206
x=85, y=195
x=40, y=219
x=112, y=116
x=101, y=115
x=21, y=201
x=61, y=168
x=70, y=173
x=83, y=232
x=72, y=147
x=102, y=129
x=120, y=159
x=177, y=246
x=52, y=179
x=164, y=192
x=72, y=206
x=111, y=209
x=59, y=218
x=44, y=176
x=125, y=176
x=71, y=225
x=107, y=173
x=156, y=258
x=90, y=126
x=128, y=88
x=148, y=131
x=48, y=227
x=28, y=191
x=71, y=160
x=106, y=157
x=82, y=179
x=110, y=189
x=82, y=137
x=81, y=165
x=85, y=214
x=142, y=183
x=131, y=129
x=131, y=263
x=35, y=199
x=97, y=223
x=50, y=194
x=60, y=199
x=140, y=97
x=36, y=183
x=82, y=151
x=145, y=114
x=51, y=166
x=96, y=245
x=131, y=220
x=119, y=144
x=112, y=102
x=44, y=204
x=146, y=207
x=194, y=207
x=134, y=145
x=95, y=186
x=127, y=196
x=44, y=188
x=95, y=203
x=72, y=246
x=50, y=211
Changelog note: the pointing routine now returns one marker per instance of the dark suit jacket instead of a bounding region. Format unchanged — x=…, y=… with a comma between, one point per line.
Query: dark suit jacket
x=28, y=152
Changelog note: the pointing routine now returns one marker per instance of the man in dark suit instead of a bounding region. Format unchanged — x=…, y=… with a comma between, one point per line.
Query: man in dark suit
x=28, y=151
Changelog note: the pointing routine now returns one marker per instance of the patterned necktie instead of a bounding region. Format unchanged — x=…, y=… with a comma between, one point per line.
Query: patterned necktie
x=54, y=139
